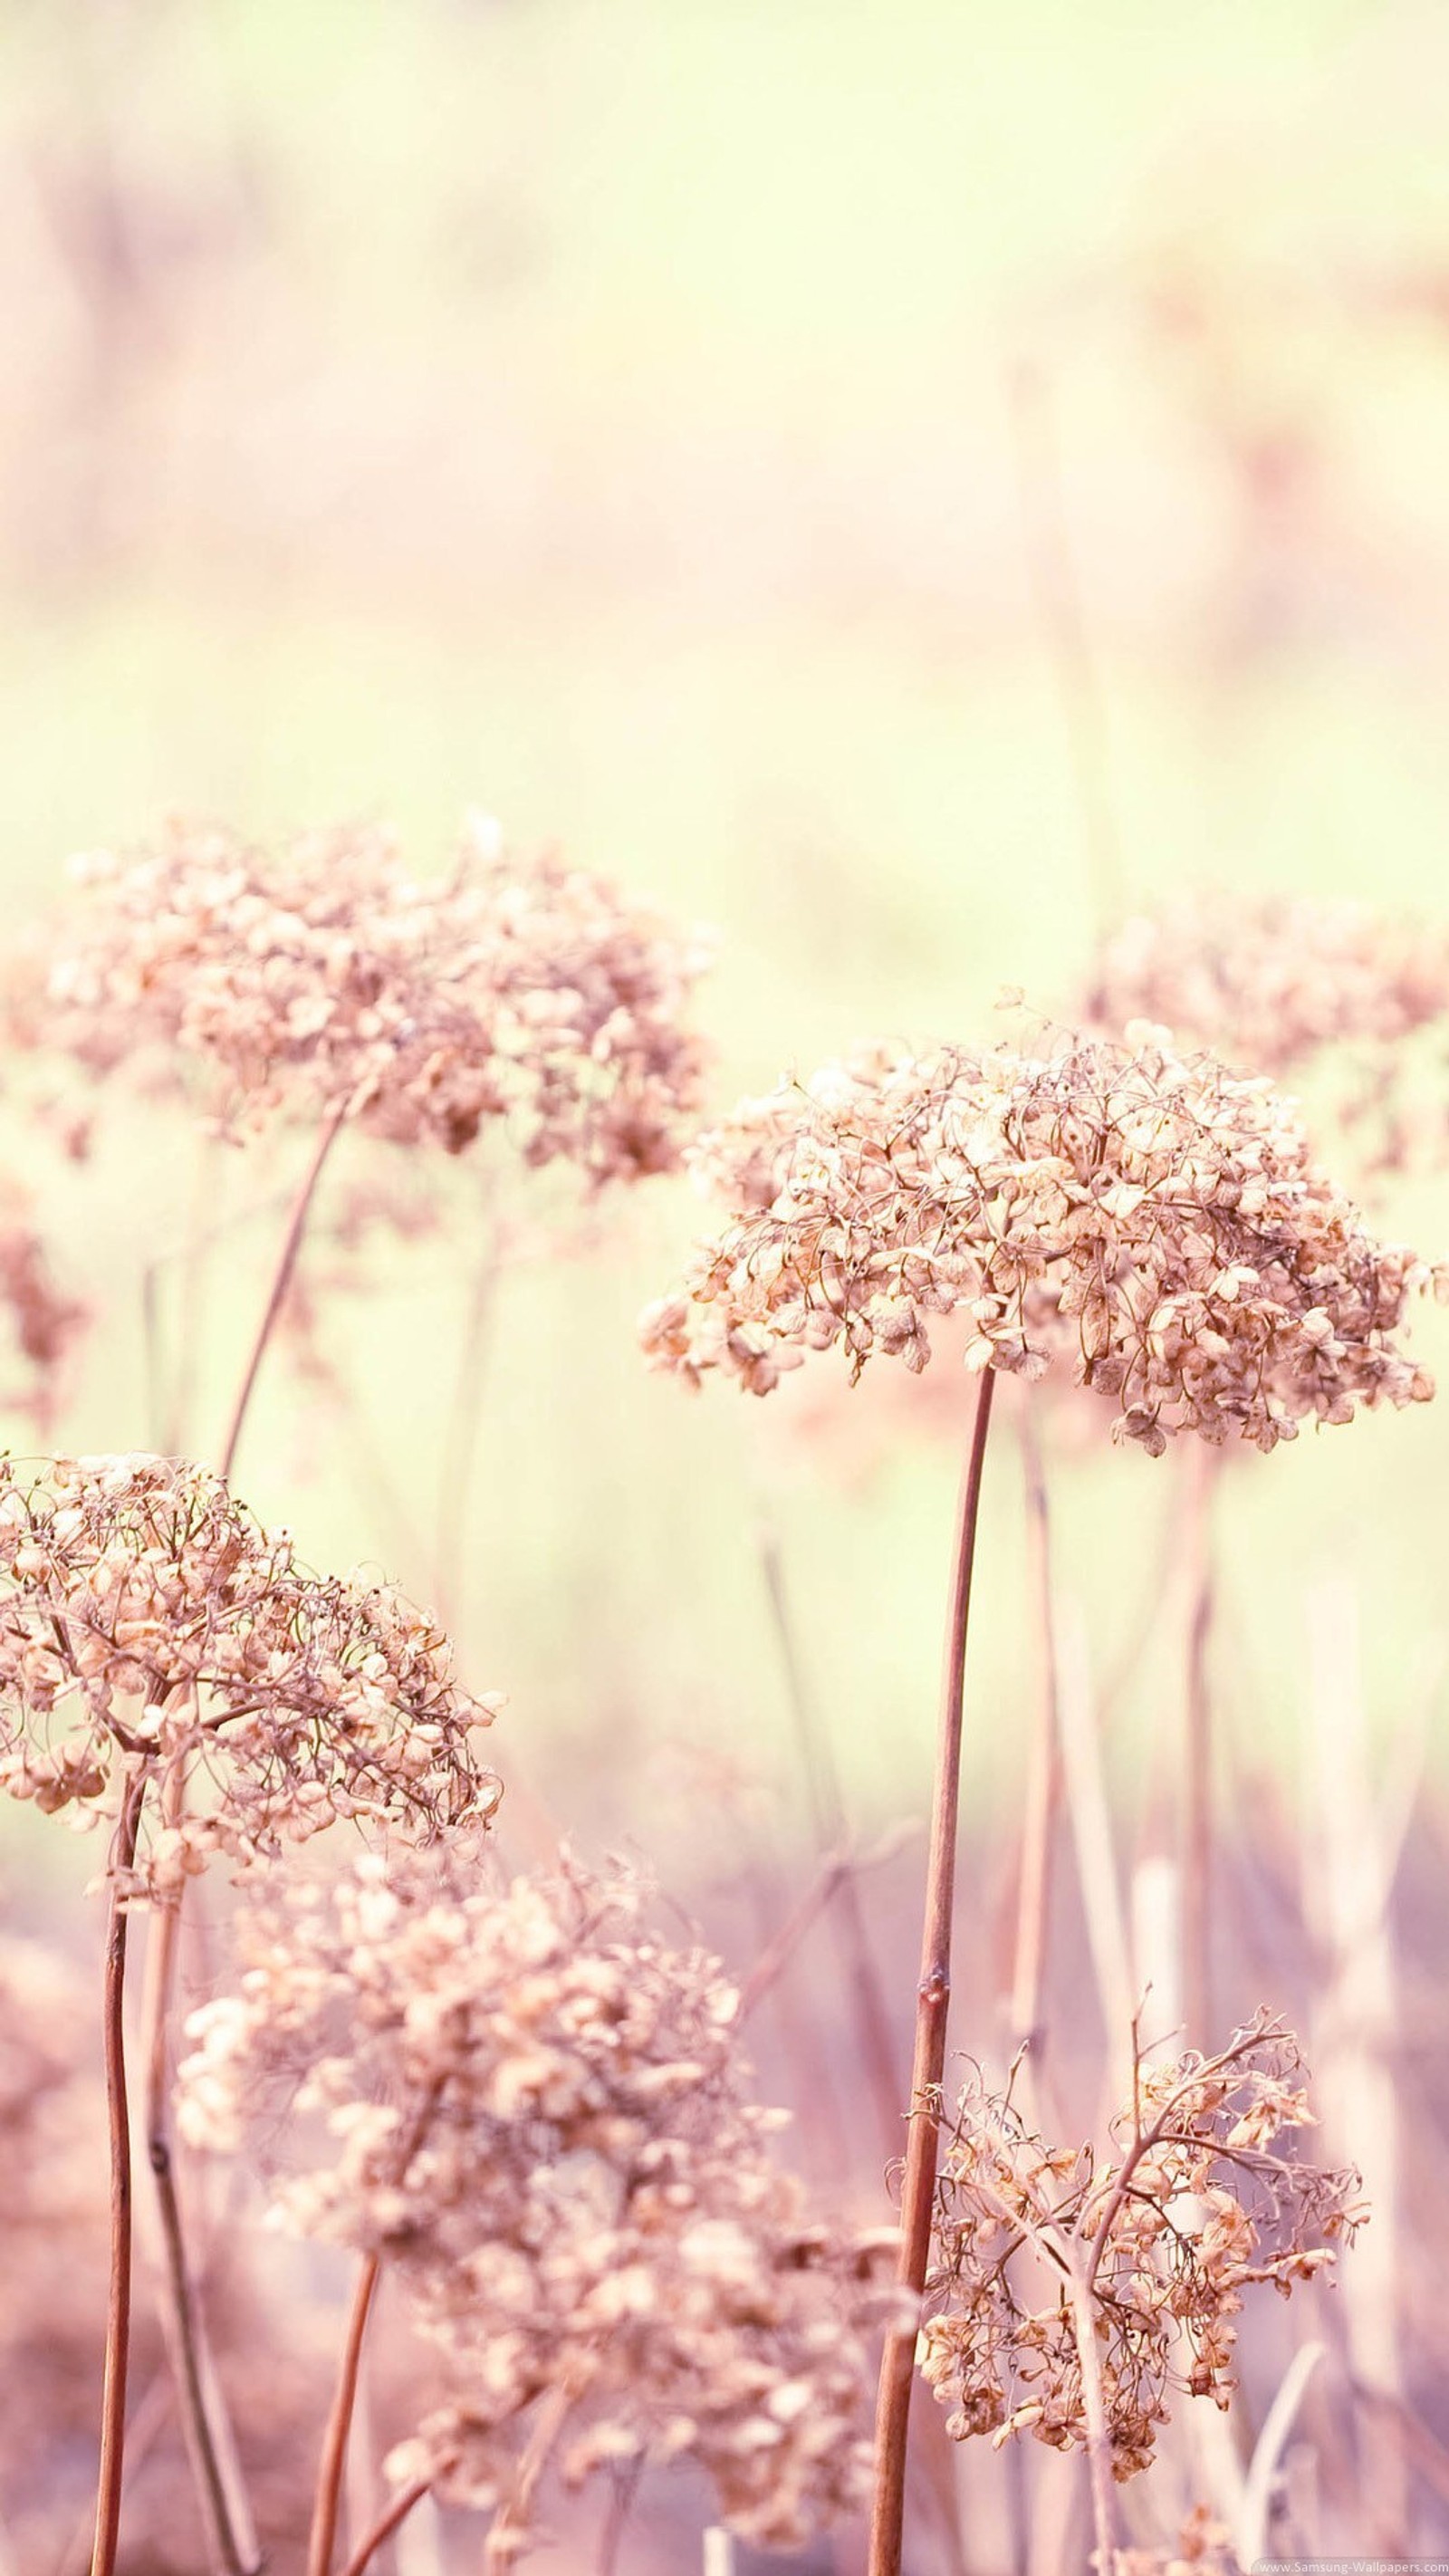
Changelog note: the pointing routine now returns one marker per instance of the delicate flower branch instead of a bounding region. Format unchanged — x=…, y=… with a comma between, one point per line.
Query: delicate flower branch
x=1136, y=2258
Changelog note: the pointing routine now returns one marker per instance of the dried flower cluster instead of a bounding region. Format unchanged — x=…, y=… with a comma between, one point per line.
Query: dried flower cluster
x=150, y=1626
x=537, y=2117
x=1284, y=985
x=44, y=1320
x=326, y=978
x=1269, y=983
x=1154, y=1220
x=1197, y=2198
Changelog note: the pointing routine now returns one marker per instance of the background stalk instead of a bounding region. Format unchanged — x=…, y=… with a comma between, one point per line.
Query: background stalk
x=933, y=1996
x=323, y=2536
x=301, y=1209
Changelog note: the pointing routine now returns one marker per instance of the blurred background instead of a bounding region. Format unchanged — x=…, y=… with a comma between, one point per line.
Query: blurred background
x=904, y=485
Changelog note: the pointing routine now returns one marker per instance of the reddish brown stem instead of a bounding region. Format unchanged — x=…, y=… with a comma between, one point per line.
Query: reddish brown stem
x=118, y=2304
x=933, y=1996
x=282, y=1277
x=385, y=2525
x=323, y=2536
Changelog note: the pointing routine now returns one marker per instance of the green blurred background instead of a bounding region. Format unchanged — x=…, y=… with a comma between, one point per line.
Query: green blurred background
x=900, y=483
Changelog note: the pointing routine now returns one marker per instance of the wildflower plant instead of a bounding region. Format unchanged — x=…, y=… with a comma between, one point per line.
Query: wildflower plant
x=166, y=1659
x=1153, y=1221
x=1199, y=2196
x=534, y=2116
x=152, y=1631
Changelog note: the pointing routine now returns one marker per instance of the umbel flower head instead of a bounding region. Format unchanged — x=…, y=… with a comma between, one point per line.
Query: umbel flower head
x=1269, y=982
x=150, y=1626
x=325, y=979
x=1150, y=1220
x=1284, y=984
x=1198, y=2197
x=538, y=2118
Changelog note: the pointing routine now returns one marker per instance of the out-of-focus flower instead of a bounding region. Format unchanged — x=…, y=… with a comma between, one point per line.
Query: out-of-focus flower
x=326, y=979
x=538, y=2119
x=149, y=1625
x=1268, y=983
x=1153, y=1220
x=1276, y=983
x=46, y=1323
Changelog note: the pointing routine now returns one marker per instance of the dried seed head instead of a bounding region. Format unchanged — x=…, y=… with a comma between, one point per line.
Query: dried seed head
x=1269, y=983
x=538, y=2117
x=520, y=991
x=1285, y=984
x=149, y=1623
x=1196, y=2199
x=1153, y=1221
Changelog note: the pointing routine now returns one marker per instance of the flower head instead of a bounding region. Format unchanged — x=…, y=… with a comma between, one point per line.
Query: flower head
x=1282, y=985
x=1152, y=1220
x=148, y=1623
x=538, y=2118
x=327, y=979
x=1268, y=983
x=1198, y=2198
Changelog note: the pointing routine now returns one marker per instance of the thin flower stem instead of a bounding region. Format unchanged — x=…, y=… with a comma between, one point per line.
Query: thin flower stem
x=836, y=1871
x=118, y=2304
x=1197, y=1788
x=933, y=1995
x=301, y=1209
x=330, y=2468
x=1044, y=1780
x=207, y=2432
x=385, y=2525
x=323, y=2535
x=208, y=2435
x=1094, y=2406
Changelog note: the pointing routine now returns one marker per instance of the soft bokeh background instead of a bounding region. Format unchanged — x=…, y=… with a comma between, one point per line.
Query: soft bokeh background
x=902, y=484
